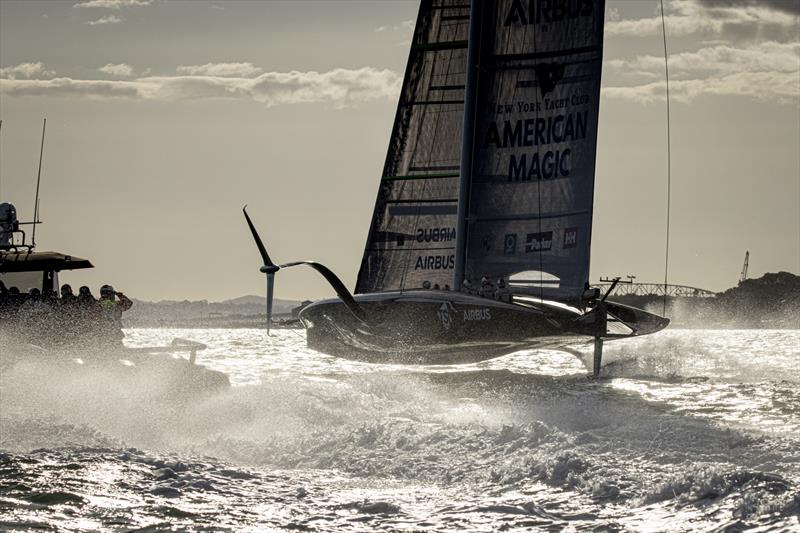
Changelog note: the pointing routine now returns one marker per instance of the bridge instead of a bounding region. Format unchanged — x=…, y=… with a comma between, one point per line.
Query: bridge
x=656, y=289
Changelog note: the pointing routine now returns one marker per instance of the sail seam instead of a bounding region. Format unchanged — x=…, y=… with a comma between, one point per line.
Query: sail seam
x=545, y=55
x=432, y=102
x=422, y=177
x=424, y=201
x=531, y=216
x=404, y=249
x=425, y=47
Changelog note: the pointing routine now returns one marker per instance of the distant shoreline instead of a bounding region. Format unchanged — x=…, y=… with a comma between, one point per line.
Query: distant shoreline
x=769, y=302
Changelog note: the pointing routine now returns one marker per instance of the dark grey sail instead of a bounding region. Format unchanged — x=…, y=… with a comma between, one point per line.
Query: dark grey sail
x=412, y=237
x=530, y=194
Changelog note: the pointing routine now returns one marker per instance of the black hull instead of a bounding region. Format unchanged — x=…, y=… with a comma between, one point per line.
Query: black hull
x=442, y=327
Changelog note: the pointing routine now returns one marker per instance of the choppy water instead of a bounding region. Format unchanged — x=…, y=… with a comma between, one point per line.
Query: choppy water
x=696, y=430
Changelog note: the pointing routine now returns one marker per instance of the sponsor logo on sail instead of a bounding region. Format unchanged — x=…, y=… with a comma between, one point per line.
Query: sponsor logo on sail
x=510, y=244
x=436, y=234
x=548, y=75
x=570, y=237
x=486, y=243
x=539, y=242
x=529, y=132
x=526, y=12
x=435, y=262
x=471, y=315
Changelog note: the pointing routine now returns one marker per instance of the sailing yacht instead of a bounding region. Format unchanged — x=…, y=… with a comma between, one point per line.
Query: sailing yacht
x=479, y=243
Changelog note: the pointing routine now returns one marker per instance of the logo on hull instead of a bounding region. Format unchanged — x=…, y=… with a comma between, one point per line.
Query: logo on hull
x=446, y=313
x=471, y=315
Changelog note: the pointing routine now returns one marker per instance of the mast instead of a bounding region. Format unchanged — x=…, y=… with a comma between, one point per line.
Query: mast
x=468, y=135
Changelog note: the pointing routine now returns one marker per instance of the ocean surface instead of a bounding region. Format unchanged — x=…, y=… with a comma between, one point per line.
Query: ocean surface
x=689, y=430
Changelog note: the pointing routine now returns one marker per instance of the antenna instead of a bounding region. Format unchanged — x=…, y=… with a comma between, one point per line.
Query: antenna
x=38, y=181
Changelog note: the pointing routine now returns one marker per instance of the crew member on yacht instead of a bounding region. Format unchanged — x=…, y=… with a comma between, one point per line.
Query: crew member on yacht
x=487, y=290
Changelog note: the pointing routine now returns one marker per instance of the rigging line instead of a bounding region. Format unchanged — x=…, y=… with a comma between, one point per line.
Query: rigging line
x=38, y=180
x=1, y=174
x=669, y=160
x=539, y=183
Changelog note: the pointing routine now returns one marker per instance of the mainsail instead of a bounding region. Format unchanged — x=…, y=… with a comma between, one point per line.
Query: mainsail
x=412, y=238
x=528, y=173
x=531, y=187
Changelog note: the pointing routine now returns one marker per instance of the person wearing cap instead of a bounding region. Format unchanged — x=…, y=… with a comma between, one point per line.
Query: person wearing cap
x=466, y=286
x=85, y=296
x=86, y=316
x=502, y=293
x=67, y=315
x=487, y=290
x=112, y=304
x=67, y=296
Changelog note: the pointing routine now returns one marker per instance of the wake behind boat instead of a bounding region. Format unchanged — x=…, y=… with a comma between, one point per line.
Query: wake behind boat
x=480, y=237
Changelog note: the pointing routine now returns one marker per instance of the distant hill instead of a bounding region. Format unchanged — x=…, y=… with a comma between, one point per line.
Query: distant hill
x=202, y=313
x=771, y=301
x=250, y=299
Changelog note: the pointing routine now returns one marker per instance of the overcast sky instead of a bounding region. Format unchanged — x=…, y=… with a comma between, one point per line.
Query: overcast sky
x=165, y=117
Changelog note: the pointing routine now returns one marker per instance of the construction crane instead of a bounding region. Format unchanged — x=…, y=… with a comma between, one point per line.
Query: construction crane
x=743, y=276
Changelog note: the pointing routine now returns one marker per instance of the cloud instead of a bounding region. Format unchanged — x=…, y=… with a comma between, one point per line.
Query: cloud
x=765, y=71
x=26, y=70
x=338, y=87
x=751, y=84
x=111, y=19
x=760, y=57
x=747, y=48
x=113, y=4
x=227, y=70
x=772, y=86
x=732, y=19
x=403, y=26
x=70, y=87
x=788, y=6
x=120, y=69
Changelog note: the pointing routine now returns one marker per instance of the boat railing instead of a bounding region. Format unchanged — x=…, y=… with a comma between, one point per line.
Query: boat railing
x=177, y=345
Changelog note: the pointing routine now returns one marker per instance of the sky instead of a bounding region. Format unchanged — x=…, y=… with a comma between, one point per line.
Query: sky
x=165, y=117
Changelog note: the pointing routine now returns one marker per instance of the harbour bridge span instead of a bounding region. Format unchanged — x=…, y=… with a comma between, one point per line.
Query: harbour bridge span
x=656, y=289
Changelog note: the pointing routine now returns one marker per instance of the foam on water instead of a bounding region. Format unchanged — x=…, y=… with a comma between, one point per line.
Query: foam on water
x=308, y=441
